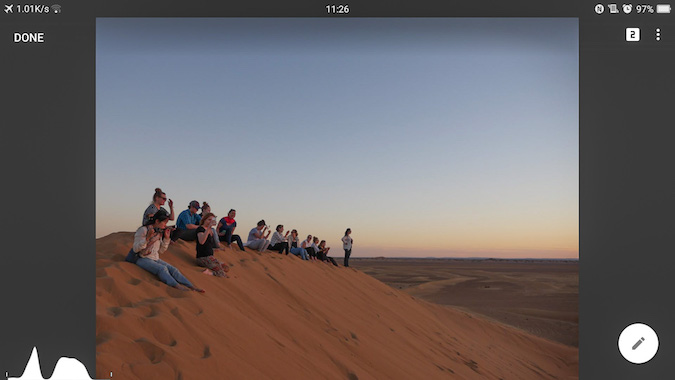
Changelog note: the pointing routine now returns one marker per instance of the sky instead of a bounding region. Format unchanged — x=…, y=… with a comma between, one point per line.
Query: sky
x=427, y=137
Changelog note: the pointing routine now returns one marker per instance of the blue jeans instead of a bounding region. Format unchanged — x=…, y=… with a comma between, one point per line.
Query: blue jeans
x=167, y=273
x=348, y=252
x=299, y=252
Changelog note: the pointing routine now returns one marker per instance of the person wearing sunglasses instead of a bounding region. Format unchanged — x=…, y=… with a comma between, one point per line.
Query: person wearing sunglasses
x=158, y=200
x=293, y=243
x=307, y=245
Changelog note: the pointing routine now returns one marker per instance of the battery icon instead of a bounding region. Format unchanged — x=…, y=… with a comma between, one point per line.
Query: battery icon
x=662, y=8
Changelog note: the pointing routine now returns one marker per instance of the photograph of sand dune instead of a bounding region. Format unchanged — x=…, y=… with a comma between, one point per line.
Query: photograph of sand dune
x=363, y=198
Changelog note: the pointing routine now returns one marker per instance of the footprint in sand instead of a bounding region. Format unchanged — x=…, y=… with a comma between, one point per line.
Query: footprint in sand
x=176, y=313
x=134, y=281
x=207, y=352
x=152, y=352
x=161, y=334
x=103, y=337
x=115, y=311
x=154, y=311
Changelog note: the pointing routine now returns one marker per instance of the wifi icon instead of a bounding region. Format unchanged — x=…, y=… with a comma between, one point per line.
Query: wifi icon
x=56, y=8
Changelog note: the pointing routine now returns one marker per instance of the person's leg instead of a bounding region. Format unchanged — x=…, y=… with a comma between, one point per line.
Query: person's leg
x=216, y=242
x=265, y=244
x=239, y=242
x=332, y=260
x=132, y=256
x=285, y=248
x=256, y=244
x=227, y=236
x=175, y=274
x=212, y=264
x=347, y=253
x=187, y=235
x=158, y=269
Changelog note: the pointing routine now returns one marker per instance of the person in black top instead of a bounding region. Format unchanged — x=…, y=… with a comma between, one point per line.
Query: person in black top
x=205, y=239
x=324, y=251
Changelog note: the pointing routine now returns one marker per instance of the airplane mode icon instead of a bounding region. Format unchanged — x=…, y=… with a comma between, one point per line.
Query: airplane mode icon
x=8, y=8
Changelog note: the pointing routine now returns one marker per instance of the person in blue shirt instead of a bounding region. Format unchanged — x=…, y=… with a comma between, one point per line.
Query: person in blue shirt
x=187, y=223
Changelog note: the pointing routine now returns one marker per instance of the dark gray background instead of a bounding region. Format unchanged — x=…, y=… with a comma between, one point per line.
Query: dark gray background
x=47, y=112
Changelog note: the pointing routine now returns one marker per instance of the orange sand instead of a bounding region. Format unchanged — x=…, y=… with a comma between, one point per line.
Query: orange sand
x=278, y=317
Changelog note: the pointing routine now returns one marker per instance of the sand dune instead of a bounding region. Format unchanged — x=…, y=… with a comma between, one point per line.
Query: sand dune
x=278, y=317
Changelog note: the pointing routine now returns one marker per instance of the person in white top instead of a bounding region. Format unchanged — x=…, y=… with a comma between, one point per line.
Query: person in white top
x=278, y=241
x=307, y=245
x=293, y=243
x=347, y=242
x=317, y=251
x=150, y=241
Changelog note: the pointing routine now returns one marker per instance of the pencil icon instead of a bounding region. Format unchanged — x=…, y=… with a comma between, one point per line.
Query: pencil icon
x=639, y=342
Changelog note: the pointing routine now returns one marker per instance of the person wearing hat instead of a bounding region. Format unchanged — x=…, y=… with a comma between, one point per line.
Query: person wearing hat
x=187, y=223
x=151, y=240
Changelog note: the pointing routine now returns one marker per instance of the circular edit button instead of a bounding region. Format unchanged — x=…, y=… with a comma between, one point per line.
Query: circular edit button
x=638, y=343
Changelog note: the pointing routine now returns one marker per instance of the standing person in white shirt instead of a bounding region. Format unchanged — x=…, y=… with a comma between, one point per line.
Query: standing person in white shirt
x=278, y=241
x=347, y=242
x=257, y=239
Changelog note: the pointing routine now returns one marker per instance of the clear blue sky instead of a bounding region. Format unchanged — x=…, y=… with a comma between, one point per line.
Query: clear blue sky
x=428, y=137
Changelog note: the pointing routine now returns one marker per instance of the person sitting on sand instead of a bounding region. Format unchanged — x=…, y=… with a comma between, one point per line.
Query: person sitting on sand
x=206, y=209
x=293, y=243
x=226, y=228
x=324, y=250
x=317, y=251
x=307, y=245
x=347, y=245
x=158, y=200
x=150, y=241
x=257, y=239
x=187, y=223
x=205, y=238
x=278, y=241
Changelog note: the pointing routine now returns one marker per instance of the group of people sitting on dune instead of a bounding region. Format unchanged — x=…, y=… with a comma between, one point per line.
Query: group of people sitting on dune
x=154, y=236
